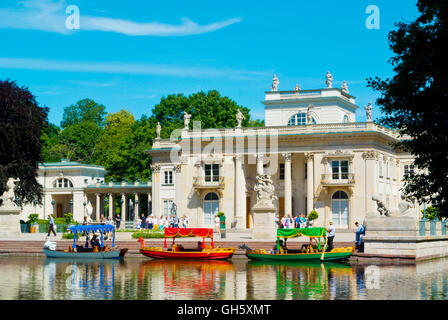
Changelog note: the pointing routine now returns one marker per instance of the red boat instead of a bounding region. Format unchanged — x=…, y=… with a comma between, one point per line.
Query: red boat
x=207, y=252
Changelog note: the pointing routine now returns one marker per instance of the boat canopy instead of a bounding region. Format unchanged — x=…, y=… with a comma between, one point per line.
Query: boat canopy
x=307, y=232
x=101, y=228
x=188, y=232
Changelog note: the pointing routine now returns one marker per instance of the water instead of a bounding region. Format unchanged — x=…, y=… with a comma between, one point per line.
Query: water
x=34, y=278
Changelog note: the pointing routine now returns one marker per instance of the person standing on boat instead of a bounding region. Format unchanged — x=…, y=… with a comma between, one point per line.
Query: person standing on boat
x=51, y=226
x=330, y=236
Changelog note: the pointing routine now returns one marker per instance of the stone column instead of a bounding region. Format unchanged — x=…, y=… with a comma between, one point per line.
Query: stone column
x=111, y=205
x=123, y=210
x=136, y=207
x=179, y=190
x=149, y=200
x=371, y=181
x=240, y=192
x=156, y=207
x=260, y=169
x=309, y=183
x=288, y=186
x=97, y=207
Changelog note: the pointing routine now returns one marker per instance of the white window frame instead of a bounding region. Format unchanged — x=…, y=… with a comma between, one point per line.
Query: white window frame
x=340, y=175
x=215, y=172
x=168, y=177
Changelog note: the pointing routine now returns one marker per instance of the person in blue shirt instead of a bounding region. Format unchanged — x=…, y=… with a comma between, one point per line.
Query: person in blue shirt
x=302, y=221
x=361, y=230
x=330, y=236
x=51, y=226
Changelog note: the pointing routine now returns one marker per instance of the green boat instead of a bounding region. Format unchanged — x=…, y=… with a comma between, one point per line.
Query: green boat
x=308, y=252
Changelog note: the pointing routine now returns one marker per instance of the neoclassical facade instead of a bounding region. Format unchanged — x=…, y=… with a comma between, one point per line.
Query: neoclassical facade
x=317, y=154
x=79, y=188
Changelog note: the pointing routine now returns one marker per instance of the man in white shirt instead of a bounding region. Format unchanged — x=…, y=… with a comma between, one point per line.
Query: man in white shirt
x=330, y=236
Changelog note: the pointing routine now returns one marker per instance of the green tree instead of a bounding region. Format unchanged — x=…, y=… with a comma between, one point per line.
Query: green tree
x=77, y=142
x=22, y=122
x=85, y=110
x=111, y=150
x=50, y=139
x=212, y=109
x=414, y=100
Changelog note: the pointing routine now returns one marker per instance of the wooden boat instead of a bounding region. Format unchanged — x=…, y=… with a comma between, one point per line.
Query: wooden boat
x=79, y=252
x=308, y=252
x=208, y=252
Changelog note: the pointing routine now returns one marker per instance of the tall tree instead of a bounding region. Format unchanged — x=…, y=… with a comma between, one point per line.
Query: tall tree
x=22, y=122
x=77, y=142
x=82, y=111
x=414, y=99
x=50, y=139
x=111, y=150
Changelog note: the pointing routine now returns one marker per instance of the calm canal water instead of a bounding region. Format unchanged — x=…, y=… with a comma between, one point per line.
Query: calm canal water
x=34, y=278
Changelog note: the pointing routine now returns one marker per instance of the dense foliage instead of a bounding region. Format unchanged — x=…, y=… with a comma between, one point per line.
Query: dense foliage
x=414, y=100
x=22, y=124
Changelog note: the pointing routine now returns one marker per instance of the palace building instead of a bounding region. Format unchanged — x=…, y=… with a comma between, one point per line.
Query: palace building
x=318, y=155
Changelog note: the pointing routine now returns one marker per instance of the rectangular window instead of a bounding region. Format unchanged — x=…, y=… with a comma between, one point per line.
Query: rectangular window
x=168, y=208
x=211, y=172
x=409, y=170
x=168, y=177
x=339, y=169
x=282, y=172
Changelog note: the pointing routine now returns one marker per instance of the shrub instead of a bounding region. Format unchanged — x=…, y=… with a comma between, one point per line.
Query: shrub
x=32, y=218
x=431, y=213
x=220, y=214
x=148, y=235
x=67, y=235
x=313, y=215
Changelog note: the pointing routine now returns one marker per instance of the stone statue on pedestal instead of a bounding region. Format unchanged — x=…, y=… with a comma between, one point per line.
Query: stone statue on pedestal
x=275, y=83
x=329, y=81
x=239, y=118
x=8, y=196
x=381, y=207
x=309, y=118
x=368, y=109
x=265, y=191
x=297, y=88
x=404, y=207
x=186, y=120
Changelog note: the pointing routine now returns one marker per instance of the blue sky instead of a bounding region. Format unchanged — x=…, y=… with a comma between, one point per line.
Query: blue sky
x=130, y=55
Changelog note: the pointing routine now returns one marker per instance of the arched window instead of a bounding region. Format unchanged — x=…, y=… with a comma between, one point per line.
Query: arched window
x=299, y=119
x=211, y=208
x=62, y=183
x=346, y=119
x=340, y=209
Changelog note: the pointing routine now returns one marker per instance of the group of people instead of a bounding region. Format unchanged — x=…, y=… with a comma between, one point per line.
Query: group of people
x=300, y=221
x=154, y=223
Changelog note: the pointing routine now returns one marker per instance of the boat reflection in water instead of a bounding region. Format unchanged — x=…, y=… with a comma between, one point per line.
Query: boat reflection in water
x=187, y=279
x=302, y=280
x=81, y=279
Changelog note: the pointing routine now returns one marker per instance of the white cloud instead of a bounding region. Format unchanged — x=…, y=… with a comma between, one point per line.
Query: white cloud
x=127, y=68
x=49, y=15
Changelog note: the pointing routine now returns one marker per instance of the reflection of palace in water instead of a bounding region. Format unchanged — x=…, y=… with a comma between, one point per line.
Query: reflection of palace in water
x=39, y=279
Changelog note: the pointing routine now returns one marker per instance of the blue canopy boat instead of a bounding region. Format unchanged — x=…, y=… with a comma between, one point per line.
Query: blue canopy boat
x=80, y=252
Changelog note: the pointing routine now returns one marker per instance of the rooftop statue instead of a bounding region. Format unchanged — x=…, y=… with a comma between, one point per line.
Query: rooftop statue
x=368, y=109
x=329, y=80
x=158, y=130
x=275, y=83
x=344, y=87
x=239, y=118
x=8, y=196
x=186, y=120
x=297, y=88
